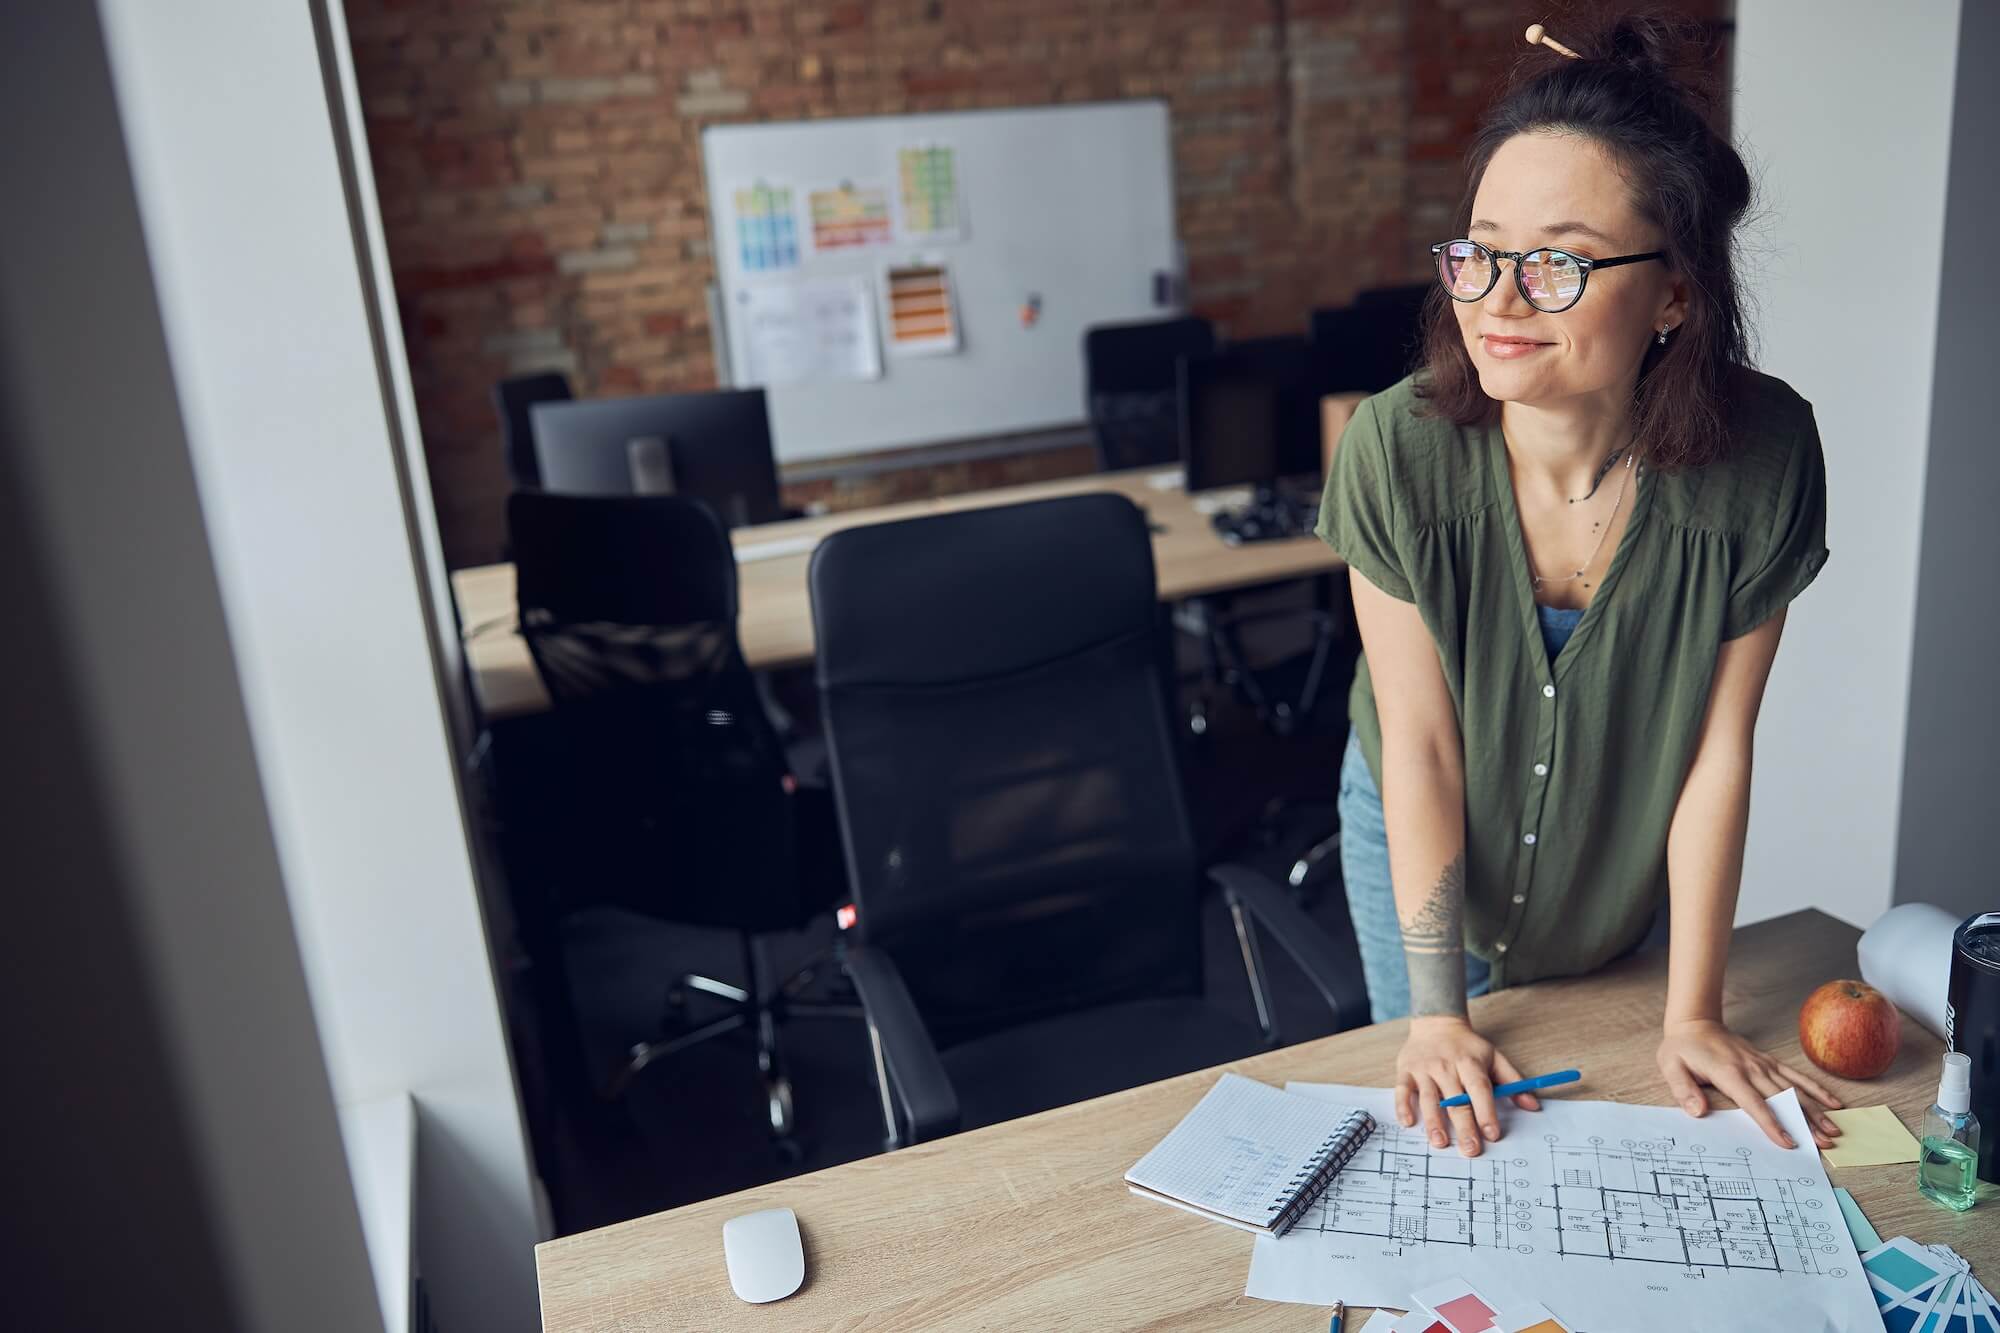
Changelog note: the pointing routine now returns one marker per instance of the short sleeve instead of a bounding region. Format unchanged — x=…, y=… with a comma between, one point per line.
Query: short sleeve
x=1789, y=557
x=1356, y=514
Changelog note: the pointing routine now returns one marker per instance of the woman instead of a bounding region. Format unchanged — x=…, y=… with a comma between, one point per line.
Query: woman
x=1572, y=537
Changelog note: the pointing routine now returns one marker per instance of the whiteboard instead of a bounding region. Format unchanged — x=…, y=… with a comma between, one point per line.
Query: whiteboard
x=1074, y=204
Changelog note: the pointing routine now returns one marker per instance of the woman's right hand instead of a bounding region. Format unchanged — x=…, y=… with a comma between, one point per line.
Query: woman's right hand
x=1443, y=1057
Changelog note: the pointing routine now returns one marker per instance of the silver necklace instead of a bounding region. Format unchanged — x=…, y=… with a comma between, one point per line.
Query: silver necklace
x=1603, y=532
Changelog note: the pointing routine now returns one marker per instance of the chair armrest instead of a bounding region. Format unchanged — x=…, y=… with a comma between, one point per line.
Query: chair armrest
x=1287, y=923
x=915, y=1076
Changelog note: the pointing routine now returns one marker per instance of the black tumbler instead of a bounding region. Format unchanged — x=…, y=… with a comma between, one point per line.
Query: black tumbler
x=1972, y=1025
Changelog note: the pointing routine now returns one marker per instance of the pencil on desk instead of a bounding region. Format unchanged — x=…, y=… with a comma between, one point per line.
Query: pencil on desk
x=1339, y=1310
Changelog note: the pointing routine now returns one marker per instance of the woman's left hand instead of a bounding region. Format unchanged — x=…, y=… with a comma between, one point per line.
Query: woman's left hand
x=1703, y=1052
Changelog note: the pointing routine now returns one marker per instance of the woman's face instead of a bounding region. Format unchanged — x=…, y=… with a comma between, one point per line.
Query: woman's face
x=1563, y=190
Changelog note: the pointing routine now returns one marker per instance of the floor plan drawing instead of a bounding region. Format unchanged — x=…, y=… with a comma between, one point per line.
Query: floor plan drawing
x=1661, y=1201
x=1629, y=1212
x=1397, y=1190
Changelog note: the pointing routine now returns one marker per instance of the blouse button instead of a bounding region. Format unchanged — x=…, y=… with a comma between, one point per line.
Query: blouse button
x=1520, y=898
x=1541, y=770
x=1500, y=946
x=1529, y=839
x=1548, y=691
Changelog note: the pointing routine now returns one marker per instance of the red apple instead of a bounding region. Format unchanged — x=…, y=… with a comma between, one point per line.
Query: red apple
x=1849, y=1028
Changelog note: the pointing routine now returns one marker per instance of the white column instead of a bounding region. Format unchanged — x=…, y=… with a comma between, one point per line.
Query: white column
x=249, y=226
x=1845, y=116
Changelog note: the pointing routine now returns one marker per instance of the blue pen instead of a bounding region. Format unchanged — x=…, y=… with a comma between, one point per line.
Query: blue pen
x=1339, y=1309
x=1525, y=1085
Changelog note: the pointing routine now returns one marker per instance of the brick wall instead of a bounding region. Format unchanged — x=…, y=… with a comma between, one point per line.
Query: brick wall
x=539, y=170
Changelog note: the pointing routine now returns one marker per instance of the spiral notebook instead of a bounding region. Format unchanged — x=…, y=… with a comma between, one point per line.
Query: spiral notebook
x=1251, y=1155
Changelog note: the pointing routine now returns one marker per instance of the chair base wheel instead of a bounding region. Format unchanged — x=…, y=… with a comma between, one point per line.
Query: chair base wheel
x=778, y=1106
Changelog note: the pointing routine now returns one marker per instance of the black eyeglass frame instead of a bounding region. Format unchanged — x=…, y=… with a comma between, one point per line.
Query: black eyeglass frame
x=1584, y=263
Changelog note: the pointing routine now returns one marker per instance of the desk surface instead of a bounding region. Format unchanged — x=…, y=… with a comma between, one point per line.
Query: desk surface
x=775, y=615
x=1028, y=1225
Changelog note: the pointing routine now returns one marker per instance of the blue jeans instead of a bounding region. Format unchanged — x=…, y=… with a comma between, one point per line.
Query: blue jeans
x=1364, y=866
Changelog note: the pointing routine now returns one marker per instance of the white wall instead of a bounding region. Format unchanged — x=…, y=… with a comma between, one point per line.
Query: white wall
x=226, y=109
x=1845, y=113
x=1953, y=767
x=168, y=1146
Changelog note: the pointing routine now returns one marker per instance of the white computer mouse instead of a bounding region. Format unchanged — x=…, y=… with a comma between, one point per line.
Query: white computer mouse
x=767, y=1261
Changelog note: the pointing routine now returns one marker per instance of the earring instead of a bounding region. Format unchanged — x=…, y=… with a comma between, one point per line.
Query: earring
x=1662, y=339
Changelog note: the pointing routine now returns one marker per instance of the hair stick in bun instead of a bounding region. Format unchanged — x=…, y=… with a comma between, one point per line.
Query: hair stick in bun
x=1538, y=36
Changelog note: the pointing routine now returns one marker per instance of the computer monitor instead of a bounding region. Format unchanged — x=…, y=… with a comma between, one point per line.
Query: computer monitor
x=1371, y=344
x=1248, y=415
x=714, y=447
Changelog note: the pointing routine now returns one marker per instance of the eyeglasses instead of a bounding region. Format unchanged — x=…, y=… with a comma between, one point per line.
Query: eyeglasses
x=1550, y=280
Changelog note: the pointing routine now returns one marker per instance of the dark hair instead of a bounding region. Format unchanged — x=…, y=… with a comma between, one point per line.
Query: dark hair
x=1642, y=92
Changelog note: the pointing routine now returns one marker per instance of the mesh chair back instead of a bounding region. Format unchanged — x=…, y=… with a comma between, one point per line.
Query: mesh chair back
x=673, y=786
x=1130, y=380
x=992, y=690
x=511, y=400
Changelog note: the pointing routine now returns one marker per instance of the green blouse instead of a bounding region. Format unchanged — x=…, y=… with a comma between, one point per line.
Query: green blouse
x=1573, y=767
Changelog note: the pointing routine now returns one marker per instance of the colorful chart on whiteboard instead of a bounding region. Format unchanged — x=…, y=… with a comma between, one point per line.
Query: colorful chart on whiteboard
x=1637, y=1217
x=767, y=232
x=932, y=207
x=848, y=217
x=923, y=318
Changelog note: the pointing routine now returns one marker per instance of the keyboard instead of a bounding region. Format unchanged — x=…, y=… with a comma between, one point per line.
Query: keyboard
x=1268, y=518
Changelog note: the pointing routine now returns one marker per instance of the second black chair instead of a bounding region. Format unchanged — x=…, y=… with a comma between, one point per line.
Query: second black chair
x=1029, y=919
x=670, y=794
x=512, y=399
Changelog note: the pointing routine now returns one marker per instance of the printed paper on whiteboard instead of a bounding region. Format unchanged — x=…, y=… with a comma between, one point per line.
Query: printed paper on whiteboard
x=923, y=315
x=767, y=230
x=810, y=329
x=849, y=217
x=928, y=184
x=1624, y=1218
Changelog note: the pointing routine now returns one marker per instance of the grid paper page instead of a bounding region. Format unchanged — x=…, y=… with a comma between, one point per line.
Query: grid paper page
x=1637, y=1217
x=1238, y=1151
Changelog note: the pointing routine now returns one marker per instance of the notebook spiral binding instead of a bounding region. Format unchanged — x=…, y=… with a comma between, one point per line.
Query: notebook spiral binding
x=1312, y=1179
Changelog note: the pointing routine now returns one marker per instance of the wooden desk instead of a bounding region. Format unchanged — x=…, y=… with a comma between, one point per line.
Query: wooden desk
x=775, y=619
x=1028, y=1225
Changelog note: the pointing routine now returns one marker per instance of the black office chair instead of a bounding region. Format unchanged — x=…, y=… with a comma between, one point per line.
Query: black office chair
x=1028, y=929
x=671, y=795
x=511, y=400
x=1130, y=387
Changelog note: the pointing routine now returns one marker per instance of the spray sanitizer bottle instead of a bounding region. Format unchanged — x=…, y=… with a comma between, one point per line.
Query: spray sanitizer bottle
x=1948, y=1169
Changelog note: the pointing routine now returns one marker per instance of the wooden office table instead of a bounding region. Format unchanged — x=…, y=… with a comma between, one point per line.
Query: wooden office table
x=775, y=614
x=1028, y=1225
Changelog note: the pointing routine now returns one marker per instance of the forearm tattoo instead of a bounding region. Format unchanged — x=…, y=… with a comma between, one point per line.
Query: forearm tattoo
x=1434, y=946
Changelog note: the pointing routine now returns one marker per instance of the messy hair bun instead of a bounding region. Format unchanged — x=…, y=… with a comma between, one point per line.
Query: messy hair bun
x=1643, y=89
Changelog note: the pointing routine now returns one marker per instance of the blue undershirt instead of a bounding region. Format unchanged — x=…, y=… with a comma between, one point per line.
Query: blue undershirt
x=1557, y=626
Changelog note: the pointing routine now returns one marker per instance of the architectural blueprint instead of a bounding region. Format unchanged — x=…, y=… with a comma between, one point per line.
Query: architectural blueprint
x=1616, y=1217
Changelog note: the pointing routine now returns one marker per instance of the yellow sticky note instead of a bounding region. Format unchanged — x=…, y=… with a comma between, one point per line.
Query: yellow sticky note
x=1869, y=1136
